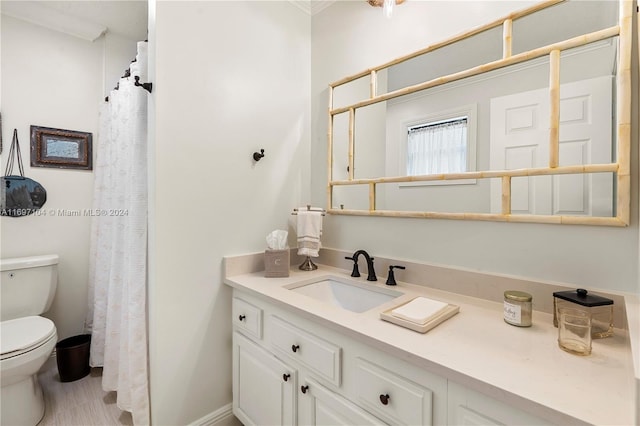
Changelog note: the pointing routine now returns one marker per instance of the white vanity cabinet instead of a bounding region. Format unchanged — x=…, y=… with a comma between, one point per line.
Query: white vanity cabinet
x=472, y=369
x=266, y=389
x=288, y=369
x=316, y=357
x=332, y=379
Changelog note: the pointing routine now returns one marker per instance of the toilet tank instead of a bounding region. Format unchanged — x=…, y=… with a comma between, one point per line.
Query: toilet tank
x=27, y=285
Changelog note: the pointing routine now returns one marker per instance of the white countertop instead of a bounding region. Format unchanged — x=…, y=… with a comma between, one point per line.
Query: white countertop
x=521, y=366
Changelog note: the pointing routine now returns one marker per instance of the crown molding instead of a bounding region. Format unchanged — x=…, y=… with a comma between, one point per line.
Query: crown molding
x=311, y=7
x=39, y=14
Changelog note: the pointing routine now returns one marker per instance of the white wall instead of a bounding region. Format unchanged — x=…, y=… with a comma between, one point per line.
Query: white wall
x=349, y=37
x=54, y=80
x=230, y=78
x=119, y=51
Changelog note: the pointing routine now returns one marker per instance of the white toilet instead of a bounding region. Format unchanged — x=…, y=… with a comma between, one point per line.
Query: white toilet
x=27, y=286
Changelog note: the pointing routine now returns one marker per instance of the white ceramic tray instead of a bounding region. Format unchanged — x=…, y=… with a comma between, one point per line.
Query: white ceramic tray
x=449, y=311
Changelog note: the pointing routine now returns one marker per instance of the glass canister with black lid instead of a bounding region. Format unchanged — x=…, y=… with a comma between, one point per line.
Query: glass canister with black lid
x=599, y=308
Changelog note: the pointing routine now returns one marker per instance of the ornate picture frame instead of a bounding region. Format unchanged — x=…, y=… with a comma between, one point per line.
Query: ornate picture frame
x=60, y=148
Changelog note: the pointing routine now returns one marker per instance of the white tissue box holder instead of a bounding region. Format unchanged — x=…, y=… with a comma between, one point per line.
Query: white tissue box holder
x=276, y=263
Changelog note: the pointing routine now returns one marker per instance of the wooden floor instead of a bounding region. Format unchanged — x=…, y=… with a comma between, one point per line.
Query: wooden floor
x=82, y=402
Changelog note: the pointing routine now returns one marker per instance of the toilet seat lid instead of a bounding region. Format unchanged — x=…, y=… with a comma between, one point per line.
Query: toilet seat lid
x=22, y=334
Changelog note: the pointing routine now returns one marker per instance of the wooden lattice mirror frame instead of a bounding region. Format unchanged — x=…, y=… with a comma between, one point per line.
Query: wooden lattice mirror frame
x=621, y=168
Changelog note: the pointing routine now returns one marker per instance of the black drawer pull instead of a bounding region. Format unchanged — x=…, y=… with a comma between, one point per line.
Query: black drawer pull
x=241, y=317
x=384, y=399
x=285, y=377
x=295, y=348
x=304, y=389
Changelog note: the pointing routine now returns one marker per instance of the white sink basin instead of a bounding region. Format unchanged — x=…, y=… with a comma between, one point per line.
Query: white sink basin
x=346, y=294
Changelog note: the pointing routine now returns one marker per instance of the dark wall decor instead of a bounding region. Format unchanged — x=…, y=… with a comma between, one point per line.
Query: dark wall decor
x=19, y=195
x=59, y=148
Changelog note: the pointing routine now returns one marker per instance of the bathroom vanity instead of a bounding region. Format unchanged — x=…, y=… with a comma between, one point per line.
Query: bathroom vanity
x=300, y=360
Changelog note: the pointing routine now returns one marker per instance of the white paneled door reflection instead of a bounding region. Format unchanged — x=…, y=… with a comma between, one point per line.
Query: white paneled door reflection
x=520, y=139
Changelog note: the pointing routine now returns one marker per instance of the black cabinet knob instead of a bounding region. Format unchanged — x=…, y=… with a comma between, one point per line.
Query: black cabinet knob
x=285, y=377
x=241, y=317
x=304, y=389
x=295, y=348
x=384, y=399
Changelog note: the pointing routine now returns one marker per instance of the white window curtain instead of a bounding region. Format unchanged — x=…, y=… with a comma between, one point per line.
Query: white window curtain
x=117, y=317
x=437, y=148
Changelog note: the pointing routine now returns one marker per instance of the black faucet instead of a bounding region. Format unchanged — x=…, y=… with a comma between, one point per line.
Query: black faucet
x=356, y=272
x=391, y=279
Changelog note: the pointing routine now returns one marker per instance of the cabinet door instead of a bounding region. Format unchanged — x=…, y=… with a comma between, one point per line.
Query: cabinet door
x=264, y=388
x=470, y=408
x=320, y=406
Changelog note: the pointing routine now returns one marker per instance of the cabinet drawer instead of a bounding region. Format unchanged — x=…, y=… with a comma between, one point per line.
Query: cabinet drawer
x=246, y=317
x=392, y=397
x=319, y=355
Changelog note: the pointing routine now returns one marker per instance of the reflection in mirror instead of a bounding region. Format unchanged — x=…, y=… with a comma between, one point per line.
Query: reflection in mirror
x=468, y=53
x=447, y=135
x=358, y=89
x=370, y=142
x=546, y=26
x=340, y=160
x=587, y=194
x=513, y=135
x=440, y=199
x=527, y=84
x=502, y=118
x=437, y=147
x=563, y=21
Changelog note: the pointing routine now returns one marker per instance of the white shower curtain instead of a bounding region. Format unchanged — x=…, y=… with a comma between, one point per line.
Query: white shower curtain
x=117, y=318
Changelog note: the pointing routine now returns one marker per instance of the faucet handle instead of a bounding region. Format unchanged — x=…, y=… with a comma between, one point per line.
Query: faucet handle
x=356, y=271
x=391, y=279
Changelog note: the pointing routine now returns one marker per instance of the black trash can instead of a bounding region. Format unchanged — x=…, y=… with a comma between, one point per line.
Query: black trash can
x=72, y=355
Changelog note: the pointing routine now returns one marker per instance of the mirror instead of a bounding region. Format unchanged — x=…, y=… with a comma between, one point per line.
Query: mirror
x=465, y=129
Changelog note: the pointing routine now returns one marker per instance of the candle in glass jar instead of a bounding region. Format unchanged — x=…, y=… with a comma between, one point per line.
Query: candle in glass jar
x=517, y=308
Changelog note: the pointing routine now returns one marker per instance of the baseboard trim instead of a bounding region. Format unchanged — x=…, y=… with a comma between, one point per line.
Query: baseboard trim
x=223, y=416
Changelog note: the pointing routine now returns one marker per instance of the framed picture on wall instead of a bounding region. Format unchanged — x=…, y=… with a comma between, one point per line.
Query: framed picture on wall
x=59, y=148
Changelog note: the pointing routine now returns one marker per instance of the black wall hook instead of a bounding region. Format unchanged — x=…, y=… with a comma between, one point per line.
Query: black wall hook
x=145, y=86
x=258, y=155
